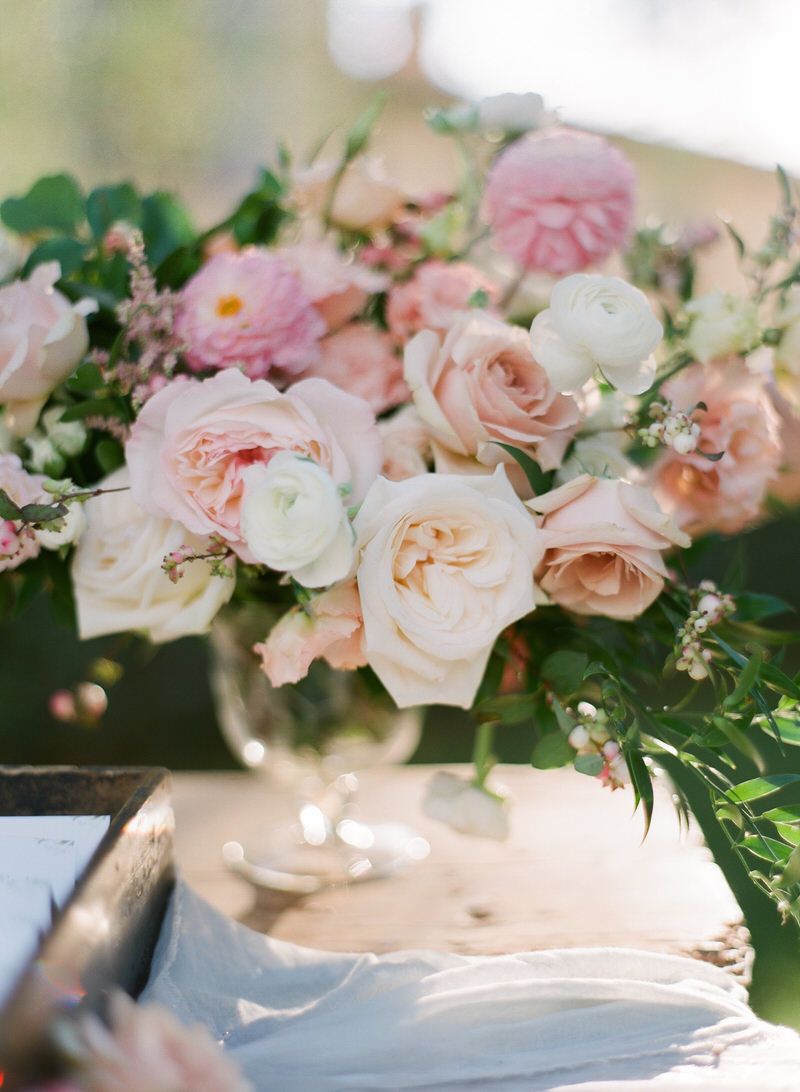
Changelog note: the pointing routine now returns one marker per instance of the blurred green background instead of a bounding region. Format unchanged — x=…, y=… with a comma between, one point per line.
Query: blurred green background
x=193, y=95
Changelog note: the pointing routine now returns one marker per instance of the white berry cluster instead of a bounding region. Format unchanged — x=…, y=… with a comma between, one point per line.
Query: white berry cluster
x=590, y=736
x=712, y=606
x=670, y=427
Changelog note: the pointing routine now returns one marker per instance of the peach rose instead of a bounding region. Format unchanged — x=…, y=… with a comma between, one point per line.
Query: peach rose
x=482, y=385
x=406, y=445
x=193, y=441
x=329, y=626
x=434, y=296
x=338, y=286
x=361, y=359
x=445, y=565
x=741, y=422
x=366, y=198
x=42, y=340
x=604, y=541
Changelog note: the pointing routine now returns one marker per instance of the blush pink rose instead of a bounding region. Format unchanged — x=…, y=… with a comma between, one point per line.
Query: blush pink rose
x=361, y=359
x=247, y=310
x=434, y=296
x=338, y=286
x=741, y=421
x=406, y=445
x=42, y=340
x=482, y=386
x=18, y=542
x=604, y=543
x=330, y=626
x=193, y=441
x=560, y=200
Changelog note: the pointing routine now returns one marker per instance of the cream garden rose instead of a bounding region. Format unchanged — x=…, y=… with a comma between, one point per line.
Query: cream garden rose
x=117, y=576
x=596, y=322
x=445, y=565
x=294, y=521
x=721, y=325
x=42, y=340
x=604, y=543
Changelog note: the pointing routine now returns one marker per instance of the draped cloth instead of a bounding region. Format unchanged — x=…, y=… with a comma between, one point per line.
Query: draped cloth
x=298, y=1020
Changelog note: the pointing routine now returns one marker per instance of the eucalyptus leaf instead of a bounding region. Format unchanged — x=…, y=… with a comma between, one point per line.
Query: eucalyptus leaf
x=589, y=764
x=564, y=671
x=552, y=751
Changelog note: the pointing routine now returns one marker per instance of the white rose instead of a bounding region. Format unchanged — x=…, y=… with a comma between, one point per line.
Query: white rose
x=42, y=339
x=721, y=325
x=512, y=113
x=117, y=576
x=70, y=530
x=13, y=252
x=445, y=564
x=597, y=322
x=293, y=520
x=466, y=807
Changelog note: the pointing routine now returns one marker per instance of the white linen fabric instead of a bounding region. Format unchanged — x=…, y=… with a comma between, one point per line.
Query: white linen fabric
x=298, y=1020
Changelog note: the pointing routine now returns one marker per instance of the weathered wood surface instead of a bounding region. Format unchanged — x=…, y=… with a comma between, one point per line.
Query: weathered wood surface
x=573, y=873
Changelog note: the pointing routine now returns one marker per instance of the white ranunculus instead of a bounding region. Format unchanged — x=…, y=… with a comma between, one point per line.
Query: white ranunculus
x=721, y=325
x=466, y=807
x=512, y=113
x=293, y=520
x=445, y=564
x=597, y=322
x=71, y=529
x=117, y=576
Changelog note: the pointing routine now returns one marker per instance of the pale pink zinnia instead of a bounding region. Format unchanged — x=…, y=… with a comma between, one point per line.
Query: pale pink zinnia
x=248, y=310
x=560, y=200
x=361, y=359
x=434, y=296
x=337, y=285
x=740, y=421
x=18, y=543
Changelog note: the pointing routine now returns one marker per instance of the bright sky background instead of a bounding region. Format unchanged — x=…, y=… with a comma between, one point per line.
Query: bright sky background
x=716, y=76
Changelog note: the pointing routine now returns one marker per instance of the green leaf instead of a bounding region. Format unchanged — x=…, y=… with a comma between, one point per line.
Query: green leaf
x=779, y=680
x=8, y=508
x=791, y=871
x=738, y=241
x=42, y=513
x=753, y=606
x=552, y=751
x=747, y=680
x=539, y=481
x=506, y=708
x=109, y=205
x=54, y=203
x=564, y=671
x=100, y=407
x=788, y=726
x=359, y=135
x=731, y=731
x=642, y=784
x=768, y=849
x=783, y=815
x=86, y=379
x=565, y=722
x=591, y=765
x=166, y=225
x=69, y=253
x=758, y=787
x=785, y=186
x=109, y=454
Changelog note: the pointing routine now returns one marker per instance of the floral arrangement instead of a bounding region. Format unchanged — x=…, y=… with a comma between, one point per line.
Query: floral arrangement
x=454, y=459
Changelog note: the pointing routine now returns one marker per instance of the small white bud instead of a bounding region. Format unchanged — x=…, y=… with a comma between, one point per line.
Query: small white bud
x=578, y=737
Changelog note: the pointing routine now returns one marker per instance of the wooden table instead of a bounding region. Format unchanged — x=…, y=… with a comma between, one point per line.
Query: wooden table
x=573, y=873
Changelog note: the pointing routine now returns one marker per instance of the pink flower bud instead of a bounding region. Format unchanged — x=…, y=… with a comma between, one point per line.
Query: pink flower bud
x=62, y=706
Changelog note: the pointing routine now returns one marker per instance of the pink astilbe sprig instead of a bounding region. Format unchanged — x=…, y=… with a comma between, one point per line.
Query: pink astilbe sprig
x=150, y=347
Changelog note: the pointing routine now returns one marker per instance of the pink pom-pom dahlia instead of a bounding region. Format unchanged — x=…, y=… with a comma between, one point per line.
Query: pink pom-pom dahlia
x=248, y=309
x=559, y=201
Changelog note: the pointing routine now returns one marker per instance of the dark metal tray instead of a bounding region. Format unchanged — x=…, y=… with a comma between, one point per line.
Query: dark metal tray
x=106, y=933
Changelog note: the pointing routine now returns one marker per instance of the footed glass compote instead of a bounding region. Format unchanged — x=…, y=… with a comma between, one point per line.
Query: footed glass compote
x=310, y=738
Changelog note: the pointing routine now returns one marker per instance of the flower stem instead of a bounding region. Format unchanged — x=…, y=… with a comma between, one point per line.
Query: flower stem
x=482, y=756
